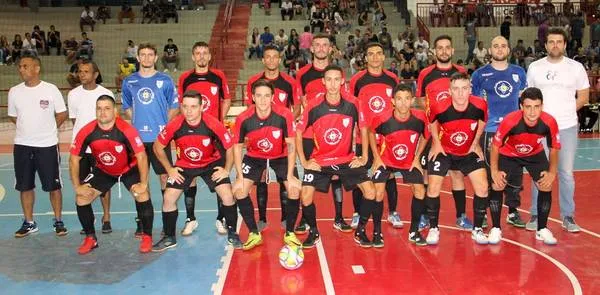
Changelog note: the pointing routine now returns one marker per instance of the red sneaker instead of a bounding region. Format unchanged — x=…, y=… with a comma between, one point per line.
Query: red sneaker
x=88, y=244
x=146, y=244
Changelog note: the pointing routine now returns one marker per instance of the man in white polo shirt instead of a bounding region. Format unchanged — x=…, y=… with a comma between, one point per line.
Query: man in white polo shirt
x=82, y=110
x=565, y=86
x=37, y=108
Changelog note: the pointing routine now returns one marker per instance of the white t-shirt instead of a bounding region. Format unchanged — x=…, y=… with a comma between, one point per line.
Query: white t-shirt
x=86, y=14
x=559, y=83
x=82, y=105
x=34, y=108
x=287, y=5
x=423, y=44
x=480, y=54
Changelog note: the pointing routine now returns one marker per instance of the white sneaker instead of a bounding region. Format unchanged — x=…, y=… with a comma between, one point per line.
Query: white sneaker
x=355, y=219
x=545, y=235
x=479, y=237
x=495, y=236
x=189, y=227
x=395, y=220
x=433, y=236
x=221, y=228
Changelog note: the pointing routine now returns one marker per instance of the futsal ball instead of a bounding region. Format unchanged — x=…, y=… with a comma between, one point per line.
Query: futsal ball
x=291, y=257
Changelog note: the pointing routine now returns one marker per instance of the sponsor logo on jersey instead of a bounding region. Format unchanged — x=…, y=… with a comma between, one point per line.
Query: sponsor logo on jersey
x=145, y=95
x=459, y=138
x=376, y=104
x=442, y=95
x=264, y=145
x=332, y=136
x=107, y=158
x=523, y=149
x=227, y=137
x=206, y=141
x=88, y=150
x=159, y=83
x=276, y=134
x=400, y=152
x=119, y=148
x=346, y=122
x=193, y=153
x=503, y=89
x=214, y=89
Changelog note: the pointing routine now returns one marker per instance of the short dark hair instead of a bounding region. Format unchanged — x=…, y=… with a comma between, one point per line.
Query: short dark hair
x=442, y=37
x=91, y=62
x=532, y=93
x=262, y=83
x=321, y=36
x=147, y=46
x=374, y=44
x=459, y=76
x=200, y=44
x=557, y=31
x=105, y=97
x=192, y=94
x=32, y=56
x=270, y=47
x=170, y=40
x=333, y=67
x=403, y=87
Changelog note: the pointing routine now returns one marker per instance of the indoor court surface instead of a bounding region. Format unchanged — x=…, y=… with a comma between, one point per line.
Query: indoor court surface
x=204, y=264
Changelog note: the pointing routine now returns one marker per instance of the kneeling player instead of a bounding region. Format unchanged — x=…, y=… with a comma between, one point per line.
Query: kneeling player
x=267, y=131
x=518, y=144
x=119, y=155
x=203, y=149
x=405, y=134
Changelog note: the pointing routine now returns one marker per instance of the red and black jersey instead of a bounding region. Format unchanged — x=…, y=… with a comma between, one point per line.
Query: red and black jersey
x=197, y=146
x=211, y=85
x=310, y=81
x=374, y=92
x=333, y=127
x=458, y=129
x=265, y=137
x=433, y=83
x=400, y=138
x=517, y=139
x=114, y=149
x=287, y=92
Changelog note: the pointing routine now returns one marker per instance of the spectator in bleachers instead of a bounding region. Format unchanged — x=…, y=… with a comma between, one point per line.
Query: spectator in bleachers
x=582, y=58
x=407, y=55
x=294, y=38
x=363, y=19
x=577, y=27
x=131, y=53
x=40, y=39
x=70, y=50
x=168, y=9
x=305, y=43
x=543, y=31
x=53, y=37
x=287, y=8
x=126, y=12
x=537, y=10
x=291, y=58
x=522, y=13
x=385, y=39
x=471, y=36
x=394, y=68
x=549, y=10
x=86, y=47
x=5, y=51
x=520, y=51
x=340, y=22
x=481, y=53
x=124, y=69
x=379, y=15
x=398, y=43
x=568, y=9
x=266, y=38
x=593, y=51
x=350, y=46
x=87, y=18
x=103, y=13
x=29, y=45
x=408, y=72
x=505, y=28
x=170, y=56
x=298, y=7
x=254, y=44
x=421, y=57
x=595, y=30
x=17, y=48
x=421, y=42
x=317, y=21
x=363, y=5
x=357, y=63
x=281, y=40
x=151, y=12
x=72, y=76
x=371, y=36
x=409, y=34
x=538, y=50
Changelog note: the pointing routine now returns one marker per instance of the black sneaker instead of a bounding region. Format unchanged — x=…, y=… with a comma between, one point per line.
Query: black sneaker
x=342, y=226
x=302, y=228
x=106, y=228
x=234, y=240
x=377, y=240
x=312, y=239
x=515, y=220
x=417, y=239
x=138, y=230
x=59, y=228
x=26, y=229
x=164, y=244
x=360, y=237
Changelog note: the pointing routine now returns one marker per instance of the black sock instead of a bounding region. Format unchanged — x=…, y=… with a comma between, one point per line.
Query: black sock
x=162, y=192
x=357, y=197
x=231, y=217
x=496, y=207
x=366, y=209
x=293, y=206
x=86, y=217
x=416, y=210
x=460, y=201
x=544, y=203
x=247, y=211
x=433, y=210
x=220, y=213
x=479, y=209
x=512, y=210
x=336, y=188
x=377, y=215
x=169, y=222
x=190, y=201
x=138, y=210
x=262, y=196
x=310, y=212
x=147, y=213
x=392, y=194
x=283, y=198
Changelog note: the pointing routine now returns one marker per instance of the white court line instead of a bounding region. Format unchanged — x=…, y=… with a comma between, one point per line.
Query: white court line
x=329, y=290
x=217, y=288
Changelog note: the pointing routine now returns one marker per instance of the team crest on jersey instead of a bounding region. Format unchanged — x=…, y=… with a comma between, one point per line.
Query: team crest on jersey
x=159, y=83
x=376, y=104
x=193, y=153
x=119, y=148
x=213, y=90
x=264, y=145
x=413, y=138
x=515, y=78
x=145, y=95
x=459, y=138
x=388, y=91
x=474, y=126
x=523, y=149
x=107, y=159
x=400, y=152
x=282, y=96
x=205, y=103
x=442, y=95
x=44, y=103
x=332, y=136
x=276, y=134
x=346, y=122
x=503, y=89
x=206, y=141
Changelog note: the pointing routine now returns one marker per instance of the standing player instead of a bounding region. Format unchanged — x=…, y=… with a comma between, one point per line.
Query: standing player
x=37, y=108
x=150, y=101
x=267, y=131
x=333, y=117
x=373, y=89
x=500, y=84
x=203, y=149
x=432, y=88
x=310, y=79
x=457, y=124
x=82, y=110
x=216, y=100
x=286, y=95
x=566, y=89
x=119, y=155
x=405, y=133
x=518, y=144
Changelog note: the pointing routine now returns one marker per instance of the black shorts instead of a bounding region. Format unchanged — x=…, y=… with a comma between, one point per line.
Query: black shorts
x=85, y=166
x=423, y=157
x=153, y=160
x=350, y=177
x=253, y=168
x=465, y=164
x=382, y=175
x=308, y=145
x=358, y=151
x=44, y=160
x=103, y=182
x=189, y=174
x=513, y=167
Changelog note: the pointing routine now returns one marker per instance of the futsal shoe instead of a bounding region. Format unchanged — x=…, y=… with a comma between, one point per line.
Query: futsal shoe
x=416, y=238
x=355, y=220
x=138, y=229
x=221, y=227
x=189, y=227
x=495, y=236
x=290, y=239
x=302, y=228
x=423, y=222
x=106, y=227
x=378, y=240
x=146, y=243
x=546, y=236
x=342, y=226
x=433, y=236
x=464, y=223
x=88, y=244
x=515, y=220
x=569, y=225
x=360, y=237
x=233, y=239
x=26, y=229
x=59, y=228
x=254, y=239
x=394, y=220
x=312, y=239
x=163, y=244
x=479, y=236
